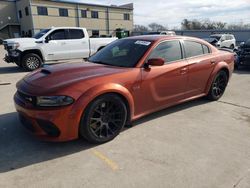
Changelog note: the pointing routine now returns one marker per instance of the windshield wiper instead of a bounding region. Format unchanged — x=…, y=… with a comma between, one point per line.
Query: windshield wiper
x=99, y=62
x=104, y=63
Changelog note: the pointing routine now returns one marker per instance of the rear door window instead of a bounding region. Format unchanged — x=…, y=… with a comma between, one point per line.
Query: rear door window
x=75, y=34
x=193, y=49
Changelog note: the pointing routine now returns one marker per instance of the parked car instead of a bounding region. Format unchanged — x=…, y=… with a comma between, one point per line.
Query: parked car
x=243, y=52
x=211, y=40
x=169, y=33
x=57, y=43
x=127, y=80
x=222, y=40
x=151, y=33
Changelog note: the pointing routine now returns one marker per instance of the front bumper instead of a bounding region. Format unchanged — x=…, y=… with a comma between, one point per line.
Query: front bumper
x=56, y=125
x=10, y=59
x=244, y=60
x=13, y=57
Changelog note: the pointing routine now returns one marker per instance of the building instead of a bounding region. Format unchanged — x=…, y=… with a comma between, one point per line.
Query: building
x=26, y=17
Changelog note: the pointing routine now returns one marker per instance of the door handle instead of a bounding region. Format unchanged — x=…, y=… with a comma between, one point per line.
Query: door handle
x=184, y=70
x=213, y=62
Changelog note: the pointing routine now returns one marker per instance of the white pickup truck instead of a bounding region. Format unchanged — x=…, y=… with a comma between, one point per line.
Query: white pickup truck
x=55, y=44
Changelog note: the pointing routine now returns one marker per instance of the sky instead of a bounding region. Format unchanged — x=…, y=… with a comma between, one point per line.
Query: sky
x=170, y=13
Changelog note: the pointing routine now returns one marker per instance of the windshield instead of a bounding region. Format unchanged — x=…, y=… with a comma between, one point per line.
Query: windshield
x=41, y=33
x=248, y=42
x=210, y=40
x=215, y=37
x=122, y=53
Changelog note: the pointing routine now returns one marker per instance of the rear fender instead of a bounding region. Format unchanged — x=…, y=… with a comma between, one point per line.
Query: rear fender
x=219, y=66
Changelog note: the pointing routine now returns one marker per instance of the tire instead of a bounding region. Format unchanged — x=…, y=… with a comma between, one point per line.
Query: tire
x=103, y=119
x=232, y=46
x=31, y=62
x=236, y=66
x=218, y=86
x=19, y=64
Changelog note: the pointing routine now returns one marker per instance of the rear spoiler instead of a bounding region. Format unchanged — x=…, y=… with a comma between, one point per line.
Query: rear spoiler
x=227, y=50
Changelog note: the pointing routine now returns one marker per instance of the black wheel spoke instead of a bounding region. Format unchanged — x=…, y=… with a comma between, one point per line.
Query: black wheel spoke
x=114, y=123
x=98, y=111
x=107, y=119
x=94, y=124
x=111, y=130
x=98, y=129
x=109, y=108
x=96, y=119
x=219, y=85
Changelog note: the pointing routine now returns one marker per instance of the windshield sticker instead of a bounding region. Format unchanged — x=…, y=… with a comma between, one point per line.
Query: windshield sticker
x=145, y=43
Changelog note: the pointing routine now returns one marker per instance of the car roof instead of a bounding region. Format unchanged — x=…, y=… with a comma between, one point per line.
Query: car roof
x=65, y=27
x=162, y=37
x=217, y=35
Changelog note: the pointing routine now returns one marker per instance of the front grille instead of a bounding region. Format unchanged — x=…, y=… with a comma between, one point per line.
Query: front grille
x=26, y=123
x=27, y=98
x=48, y=127
x=6, y=47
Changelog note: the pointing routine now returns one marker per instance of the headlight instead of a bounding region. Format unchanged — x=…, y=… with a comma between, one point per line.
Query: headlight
x=16, y=45
x=53, y=101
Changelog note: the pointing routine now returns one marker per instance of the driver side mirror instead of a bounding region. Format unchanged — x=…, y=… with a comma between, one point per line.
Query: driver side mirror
x=155, y=62
x=46, y=40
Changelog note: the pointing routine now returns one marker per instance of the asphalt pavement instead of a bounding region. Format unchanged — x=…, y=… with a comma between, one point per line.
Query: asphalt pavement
x=199, y=144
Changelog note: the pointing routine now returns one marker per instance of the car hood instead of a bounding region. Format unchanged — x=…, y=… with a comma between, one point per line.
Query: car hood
x=57, y=76
x=20, y=40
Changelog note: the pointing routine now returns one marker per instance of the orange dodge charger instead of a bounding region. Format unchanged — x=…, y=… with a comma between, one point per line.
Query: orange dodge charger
x=124, y=81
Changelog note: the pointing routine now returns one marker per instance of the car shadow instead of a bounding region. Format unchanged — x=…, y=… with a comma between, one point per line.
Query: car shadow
x=11, y=69
x=170, y=110
x=16, y=69
x=242, y=70
x=19, y=149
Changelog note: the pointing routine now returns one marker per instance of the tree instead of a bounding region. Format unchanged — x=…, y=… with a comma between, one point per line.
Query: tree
x=140, y=28
x=221, y=25
x=203, y=24
x=185, y=24
x=156, y=27
x=239, y=26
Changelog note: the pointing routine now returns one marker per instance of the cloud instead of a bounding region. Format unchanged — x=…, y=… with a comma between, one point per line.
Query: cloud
x=171, y=13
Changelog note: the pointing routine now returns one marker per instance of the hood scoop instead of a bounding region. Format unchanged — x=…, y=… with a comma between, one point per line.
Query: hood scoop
x=45, y=71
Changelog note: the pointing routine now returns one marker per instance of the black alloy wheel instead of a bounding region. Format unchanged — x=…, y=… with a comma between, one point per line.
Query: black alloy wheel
x=218, y=86
x=104, y=119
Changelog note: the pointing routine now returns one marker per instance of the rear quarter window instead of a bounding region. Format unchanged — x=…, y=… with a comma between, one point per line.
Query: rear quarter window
x=206, y=49
x=76, y=34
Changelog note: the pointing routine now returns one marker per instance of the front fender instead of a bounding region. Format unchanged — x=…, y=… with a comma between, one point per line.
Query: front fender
x=84, y=100
x=219, y=66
